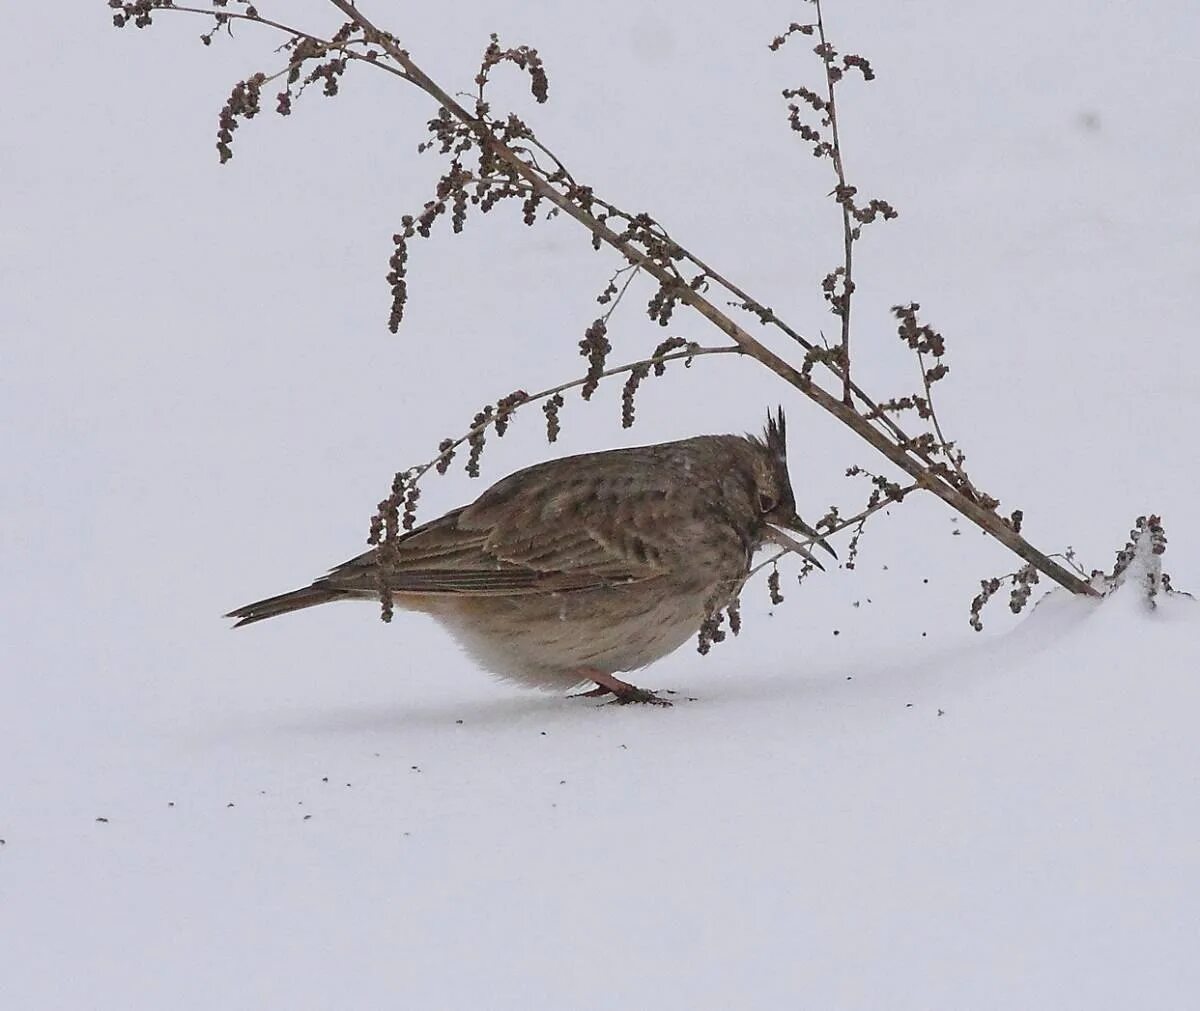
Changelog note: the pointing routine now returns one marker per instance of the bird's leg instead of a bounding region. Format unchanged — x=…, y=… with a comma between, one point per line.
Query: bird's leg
x=591, y=693
x=623, y=691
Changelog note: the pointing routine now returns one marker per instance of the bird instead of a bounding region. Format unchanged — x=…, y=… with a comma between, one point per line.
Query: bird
x=578, y=569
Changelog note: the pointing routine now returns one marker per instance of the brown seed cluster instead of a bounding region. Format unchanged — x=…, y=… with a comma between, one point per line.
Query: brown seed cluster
x=445, y=455
x=505, y=407
x=642, y=370
x=636, y=375
x=551, y=408
x=1023, y=582
x=139, y=13
x=244, y=102
x=773, y=586
x=476, y=439
x=524, y=58
x=734, y=611
x=711, y=631
x=1145, y=526
x=662, y=303
x=397, y=276
x=987, y=589
x=793, y=29
x=921, y=338
x=595, y=347
x=882, y=490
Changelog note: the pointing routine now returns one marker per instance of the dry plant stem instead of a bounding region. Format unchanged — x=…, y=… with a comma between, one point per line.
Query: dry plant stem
x=845, y=413
x=901, y=452
x=847, y=234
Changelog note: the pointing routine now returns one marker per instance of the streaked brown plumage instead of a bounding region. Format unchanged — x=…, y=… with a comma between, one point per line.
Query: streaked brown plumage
x=581, y=568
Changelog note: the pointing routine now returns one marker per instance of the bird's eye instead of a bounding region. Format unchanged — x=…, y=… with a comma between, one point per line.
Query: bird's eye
x=765, y=502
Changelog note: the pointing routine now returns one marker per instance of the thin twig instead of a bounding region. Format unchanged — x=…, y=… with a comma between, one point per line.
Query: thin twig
x=858, y=519
x=448, y=450
x=633, y=272
x=326, y=45
x=937, y=427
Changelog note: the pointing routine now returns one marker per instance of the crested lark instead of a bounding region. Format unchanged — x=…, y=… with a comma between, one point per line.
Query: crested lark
x=578, y=569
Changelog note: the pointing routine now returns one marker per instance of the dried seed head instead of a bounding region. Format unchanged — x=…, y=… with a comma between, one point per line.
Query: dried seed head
x=710, y=629
x=551, y=408
x=595, y=347
x=1022, y=586
x=666, y=347
x=477, y=438
x=244, y=102
x=524, y=58
x=987, y=588
x=773, y=586
x=636, y=375
x=505, y=407
x=793, y=29
x=445, y=455
x=860, y=64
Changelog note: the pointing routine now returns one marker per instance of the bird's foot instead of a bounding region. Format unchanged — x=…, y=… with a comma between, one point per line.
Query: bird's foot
x=622, y=691
x=638, y=695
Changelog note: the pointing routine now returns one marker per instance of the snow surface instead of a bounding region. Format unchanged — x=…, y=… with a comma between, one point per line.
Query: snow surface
x=867, y=806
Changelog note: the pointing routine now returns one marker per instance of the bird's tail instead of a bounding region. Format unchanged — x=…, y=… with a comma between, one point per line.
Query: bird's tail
x=319, y=592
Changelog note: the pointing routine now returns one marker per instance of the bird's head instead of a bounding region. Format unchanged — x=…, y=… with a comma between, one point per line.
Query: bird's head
x=775, y=503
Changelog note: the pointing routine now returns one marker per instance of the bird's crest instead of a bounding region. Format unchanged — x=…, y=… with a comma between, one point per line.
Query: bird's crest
x=775, y=436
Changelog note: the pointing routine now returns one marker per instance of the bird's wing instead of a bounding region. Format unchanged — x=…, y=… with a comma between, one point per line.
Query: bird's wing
x=559, y=529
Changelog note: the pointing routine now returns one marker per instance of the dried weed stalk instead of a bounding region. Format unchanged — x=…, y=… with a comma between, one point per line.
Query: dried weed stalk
x=490, y=158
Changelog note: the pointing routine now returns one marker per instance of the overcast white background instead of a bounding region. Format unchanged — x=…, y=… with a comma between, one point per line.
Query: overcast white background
x=200, y=405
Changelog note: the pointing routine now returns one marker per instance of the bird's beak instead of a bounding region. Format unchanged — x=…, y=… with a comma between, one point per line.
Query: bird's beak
x=813, y=536
x=796, y=523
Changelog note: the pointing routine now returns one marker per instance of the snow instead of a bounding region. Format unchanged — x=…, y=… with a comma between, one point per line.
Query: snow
x=202, y=405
